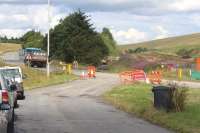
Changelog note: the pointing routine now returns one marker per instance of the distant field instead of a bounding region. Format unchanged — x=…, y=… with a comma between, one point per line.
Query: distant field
x=169, y=45
x=8, y=47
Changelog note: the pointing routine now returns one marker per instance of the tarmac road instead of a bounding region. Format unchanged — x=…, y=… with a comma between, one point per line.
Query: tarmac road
x=12, y=58
x=76, y=108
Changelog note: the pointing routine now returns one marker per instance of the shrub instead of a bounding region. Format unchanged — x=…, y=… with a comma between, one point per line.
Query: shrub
x=130, y=51
x=140, y=50
x=152, y=67
x=137, y=50
x=178, y=95
x=184, y=53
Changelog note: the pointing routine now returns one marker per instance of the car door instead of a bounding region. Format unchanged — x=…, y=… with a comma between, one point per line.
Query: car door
x=11, y=93
x=4, y=117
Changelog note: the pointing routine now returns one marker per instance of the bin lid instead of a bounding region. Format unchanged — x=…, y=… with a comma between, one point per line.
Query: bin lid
x=160, y=88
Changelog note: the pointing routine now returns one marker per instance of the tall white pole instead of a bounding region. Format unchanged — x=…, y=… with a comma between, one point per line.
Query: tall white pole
x=48, y=39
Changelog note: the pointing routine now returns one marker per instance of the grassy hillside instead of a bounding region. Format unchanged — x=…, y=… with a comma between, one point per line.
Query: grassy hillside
x=169, y=45
x=180, y=50
x=9, y=47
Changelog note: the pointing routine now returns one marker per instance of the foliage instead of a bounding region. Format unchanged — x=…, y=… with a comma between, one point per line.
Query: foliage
x=185, y=53
x=137, y=99
x=32, y=39
x=74, y=38
x=5, y=39
x=178, y=96
x=38, y=78
x=108, y=39
x=152, y=67
x=130, y=51
x=137, y=50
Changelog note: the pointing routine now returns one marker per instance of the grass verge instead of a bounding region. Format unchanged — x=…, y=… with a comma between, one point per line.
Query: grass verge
x=38, y=78
x=137, y=99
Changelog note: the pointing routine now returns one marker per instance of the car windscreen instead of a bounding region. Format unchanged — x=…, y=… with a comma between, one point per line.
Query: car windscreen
x=11, y=73
x=32, y=50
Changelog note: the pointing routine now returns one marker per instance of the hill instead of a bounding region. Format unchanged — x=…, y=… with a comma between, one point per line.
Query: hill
x=9, y=47
x=169, y=45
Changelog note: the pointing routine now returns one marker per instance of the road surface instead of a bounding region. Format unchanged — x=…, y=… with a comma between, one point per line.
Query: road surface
x=12, y=58
x=76, y=108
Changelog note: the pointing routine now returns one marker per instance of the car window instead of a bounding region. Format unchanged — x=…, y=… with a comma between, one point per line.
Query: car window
x=10, y=73
x=0, y=86
x=4, y=83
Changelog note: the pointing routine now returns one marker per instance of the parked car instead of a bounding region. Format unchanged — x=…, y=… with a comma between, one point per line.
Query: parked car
x=15, y=75
x=7, y=99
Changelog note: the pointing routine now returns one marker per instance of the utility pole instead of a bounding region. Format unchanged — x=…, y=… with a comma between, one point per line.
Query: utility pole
x=48, y=39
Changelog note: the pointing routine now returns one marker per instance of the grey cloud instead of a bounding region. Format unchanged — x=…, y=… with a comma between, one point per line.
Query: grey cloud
x=141, y=7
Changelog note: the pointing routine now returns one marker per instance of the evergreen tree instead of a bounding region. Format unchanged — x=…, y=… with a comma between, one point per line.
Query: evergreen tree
x=75, y=37
x=109, y=41
x=32, y=39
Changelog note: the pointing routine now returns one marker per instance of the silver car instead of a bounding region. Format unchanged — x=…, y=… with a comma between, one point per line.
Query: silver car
x=7, y=99
x=15, y=73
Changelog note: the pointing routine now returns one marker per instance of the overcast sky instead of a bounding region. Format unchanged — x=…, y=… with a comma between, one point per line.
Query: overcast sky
x=130, y=21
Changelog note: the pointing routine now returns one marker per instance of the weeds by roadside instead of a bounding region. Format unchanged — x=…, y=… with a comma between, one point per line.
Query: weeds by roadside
x=38, y=78
x=137, y=99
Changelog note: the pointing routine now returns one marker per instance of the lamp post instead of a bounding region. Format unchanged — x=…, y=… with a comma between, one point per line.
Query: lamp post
x=48, y=39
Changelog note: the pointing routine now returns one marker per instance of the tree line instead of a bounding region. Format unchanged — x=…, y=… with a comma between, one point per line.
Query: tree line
x=5, y=39
x=74, y=38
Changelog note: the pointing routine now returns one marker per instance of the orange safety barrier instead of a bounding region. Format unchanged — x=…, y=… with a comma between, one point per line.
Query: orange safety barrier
x=83, y=75
x=91, y=71
x=198, y=64
x=126, y=77
x=139, y=75
x=155, y=77
x=132, y=76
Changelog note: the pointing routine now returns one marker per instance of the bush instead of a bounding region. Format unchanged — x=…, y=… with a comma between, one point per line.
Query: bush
x=140, y=50
x=32, y=39
x=152, y=67
x=178, y=95
x=137, y=50
x=130, y=51
x=184, y=53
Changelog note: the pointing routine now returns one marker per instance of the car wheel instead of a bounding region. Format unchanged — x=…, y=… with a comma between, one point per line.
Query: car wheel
x=21, y=97
x=44, y=65
x=10, y=126
x=16, y=104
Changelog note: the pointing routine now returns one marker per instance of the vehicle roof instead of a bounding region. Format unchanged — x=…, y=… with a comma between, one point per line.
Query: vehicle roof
x=8, y=67
x=32, y=48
